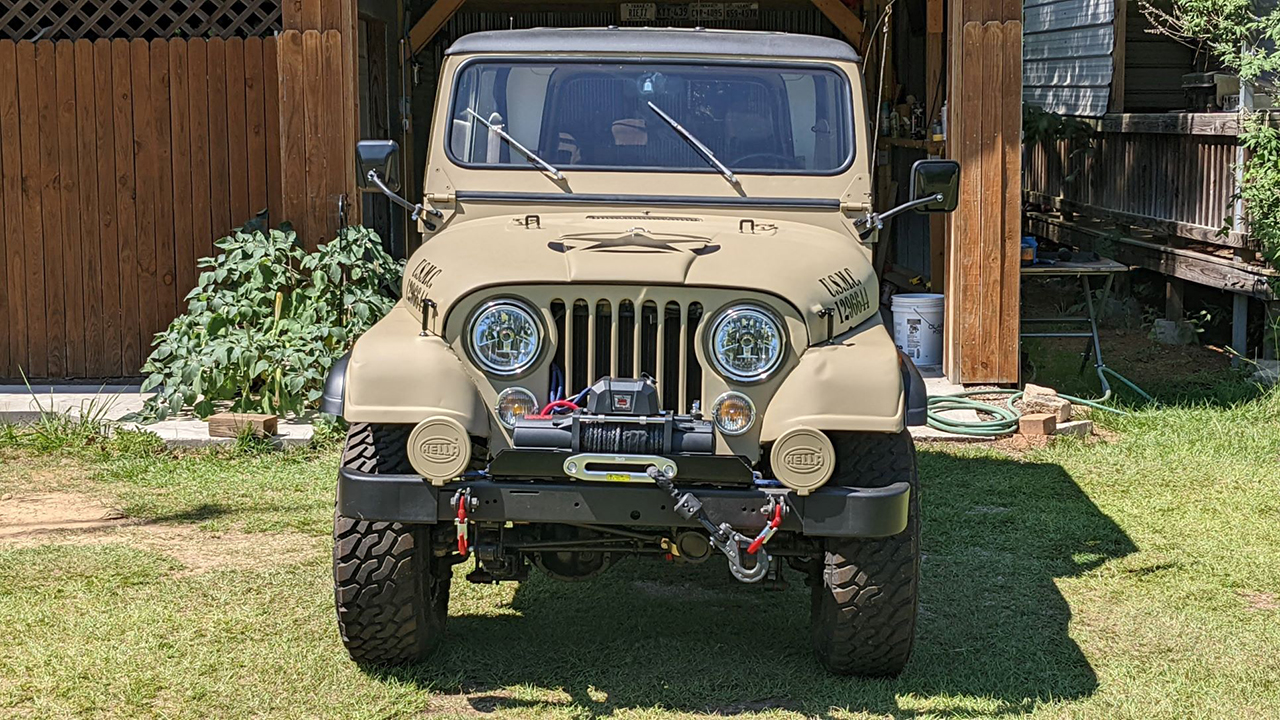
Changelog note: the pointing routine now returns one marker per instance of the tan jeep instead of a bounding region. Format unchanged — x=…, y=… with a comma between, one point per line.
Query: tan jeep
x=644, y=322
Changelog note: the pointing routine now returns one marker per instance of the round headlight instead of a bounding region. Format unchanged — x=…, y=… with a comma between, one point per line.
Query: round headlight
x=505, y=338
x=746, y=344
x=733, y=413
x=513, y=404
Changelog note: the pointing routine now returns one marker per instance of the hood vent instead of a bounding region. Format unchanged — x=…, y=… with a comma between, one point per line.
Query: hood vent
x=663, y=218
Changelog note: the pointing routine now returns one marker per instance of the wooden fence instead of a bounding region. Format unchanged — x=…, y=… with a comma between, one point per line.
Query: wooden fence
x=120, y=162
x=1170, y=174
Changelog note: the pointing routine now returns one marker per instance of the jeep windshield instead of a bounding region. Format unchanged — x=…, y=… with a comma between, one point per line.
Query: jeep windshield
x=594, y=115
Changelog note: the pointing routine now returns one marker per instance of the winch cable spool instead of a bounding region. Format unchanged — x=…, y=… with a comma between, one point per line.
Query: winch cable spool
x=1006, y=417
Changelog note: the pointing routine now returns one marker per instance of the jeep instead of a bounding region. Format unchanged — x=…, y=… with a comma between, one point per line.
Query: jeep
x=643, y=323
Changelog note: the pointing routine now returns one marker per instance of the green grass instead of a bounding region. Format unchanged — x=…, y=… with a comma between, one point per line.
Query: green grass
x=1138, y=578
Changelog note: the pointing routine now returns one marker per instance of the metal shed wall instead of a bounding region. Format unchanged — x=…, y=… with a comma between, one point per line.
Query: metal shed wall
x=1067, y=55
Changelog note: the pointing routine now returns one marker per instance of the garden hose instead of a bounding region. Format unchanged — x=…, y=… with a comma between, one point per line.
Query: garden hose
x=1006, y=417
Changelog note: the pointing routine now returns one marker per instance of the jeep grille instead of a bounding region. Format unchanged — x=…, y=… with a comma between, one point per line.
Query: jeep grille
x=603, y=336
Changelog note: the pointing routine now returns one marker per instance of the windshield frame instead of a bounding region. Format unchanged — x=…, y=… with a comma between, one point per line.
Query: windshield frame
x=845, y=93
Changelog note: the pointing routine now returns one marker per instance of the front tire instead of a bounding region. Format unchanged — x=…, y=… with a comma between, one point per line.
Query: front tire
x=864, y=606
x=390, y=590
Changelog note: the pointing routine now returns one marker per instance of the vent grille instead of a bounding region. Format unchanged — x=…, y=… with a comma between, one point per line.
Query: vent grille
x=627, y=339
x=664, y=218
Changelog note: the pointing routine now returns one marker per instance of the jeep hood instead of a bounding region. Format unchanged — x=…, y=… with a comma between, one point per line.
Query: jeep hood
x=817, y=271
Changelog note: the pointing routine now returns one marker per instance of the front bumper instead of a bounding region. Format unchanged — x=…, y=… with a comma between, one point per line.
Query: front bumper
x=830, y=511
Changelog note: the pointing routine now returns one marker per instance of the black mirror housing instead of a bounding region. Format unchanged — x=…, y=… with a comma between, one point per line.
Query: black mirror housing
x=382, y=157
x=936, y=177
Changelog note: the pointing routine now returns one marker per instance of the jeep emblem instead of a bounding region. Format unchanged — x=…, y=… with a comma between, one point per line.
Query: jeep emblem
x=439, y=449
x=804, y=459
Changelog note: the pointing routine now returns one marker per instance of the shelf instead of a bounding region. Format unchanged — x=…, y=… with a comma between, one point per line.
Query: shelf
x=933, y=146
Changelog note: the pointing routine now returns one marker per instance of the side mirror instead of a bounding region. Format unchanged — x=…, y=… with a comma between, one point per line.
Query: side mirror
x=936, y=177
x=381, y=157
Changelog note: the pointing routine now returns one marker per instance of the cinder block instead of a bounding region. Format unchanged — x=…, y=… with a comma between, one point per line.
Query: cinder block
x=1076, y=428
x=1037, y=424
x=1173, y=332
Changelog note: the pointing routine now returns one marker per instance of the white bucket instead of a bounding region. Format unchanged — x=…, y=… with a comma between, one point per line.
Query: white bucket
x=917, y=326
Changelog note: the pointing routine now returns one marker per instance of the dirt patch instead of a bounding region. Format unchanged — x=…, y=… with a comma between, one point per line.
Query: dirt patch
x=59, y=518
x=25, y=516
x=1260, y=600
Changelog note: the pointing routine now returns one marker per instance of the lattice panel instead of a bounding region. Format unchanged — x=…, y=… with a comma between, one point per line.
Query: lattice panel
x=92, y=19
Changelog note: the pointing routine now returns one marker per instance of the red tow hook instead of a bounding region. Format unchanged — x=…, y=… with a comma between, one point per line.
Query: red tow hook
x=768, y=530
x=461, y=500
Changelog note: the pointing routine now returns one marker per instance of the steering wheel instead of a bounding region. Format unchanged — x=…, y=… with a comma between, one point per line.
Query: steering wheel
x=772, y=161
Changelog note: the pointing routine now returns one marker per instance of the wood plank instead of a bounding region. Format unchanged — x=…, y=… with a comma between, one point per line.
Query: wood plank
x=311, y=14
x=291, y=14
x=87, y=212
x=232, y=424
x=1120, y=26
x=72, y=275
x=840, y=15
x=1172, y=123
x=1009, y=363
x=440, y=11
x=317, y=173
x=334, y=128
x=985, y=294
x=108, y=244
x=13, y=249
x=146, y=176
x=351, y=114
x=967, y=239
x=292, y=135
x=255, y=125
x=1188, y=265
x=331, y=14
x=198, y=111
x=1198, y=233
x=219, y=170
x=237, y=135
x=131, y=349
x=166, y=262
x=51, y=207
x=36, y=362
x=184, y=251
x=271, y=94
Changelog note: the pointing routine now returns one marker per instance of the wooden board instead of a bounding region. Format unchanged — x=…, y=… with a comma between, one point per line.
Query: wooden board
x=126, y=206
x=184, y=271
x=255, y=125
x=108, y=243
x=271, y=85
x=51, y=236
x=219, y=172
x=237, y=136
x=232, y=424
x=68, y=185
x=146, y=175
x=338, y=116
x=202, y=234
x=14, y=252
x=87, y=212
x=316, y=138
x=292, y=130
x=162, y=190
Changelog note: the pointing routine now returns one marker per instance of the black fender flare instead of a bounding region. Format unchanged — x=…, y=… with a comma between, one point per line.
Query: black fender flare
x=916, y=399
x=335, y=384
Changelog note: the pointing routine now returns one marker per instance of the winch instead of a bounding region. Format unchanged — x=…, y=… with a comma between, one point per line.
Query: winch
x=621, y=416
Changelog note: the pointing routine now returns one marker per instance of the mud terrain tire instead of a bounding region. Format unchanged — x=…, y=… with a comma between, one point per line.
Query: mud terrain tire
x=391, y=592
x=864, y=605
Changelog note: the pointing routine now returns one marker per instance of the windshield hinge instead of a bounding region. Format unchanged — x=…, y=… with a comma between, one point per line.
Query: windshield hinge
x=854, y=207
x=441, y=198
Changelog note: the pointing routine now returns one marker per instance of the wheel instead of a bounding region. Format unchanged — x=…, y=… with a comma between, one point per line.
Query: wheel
x=864, y=606
x=391, y=592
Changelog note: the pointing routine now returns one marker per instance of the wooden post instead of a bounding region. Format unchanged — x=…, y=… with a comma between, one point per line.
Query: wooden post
x=1239, y=325
x=1116, y=102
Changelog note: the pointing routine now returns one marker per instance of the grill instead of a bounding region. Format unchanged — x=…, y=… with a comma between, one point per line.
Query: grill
x=627, y=339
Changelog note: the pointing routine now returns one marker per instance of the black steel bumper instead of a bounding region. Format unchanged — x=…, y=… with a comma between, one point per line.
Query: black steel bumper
x=827, y=512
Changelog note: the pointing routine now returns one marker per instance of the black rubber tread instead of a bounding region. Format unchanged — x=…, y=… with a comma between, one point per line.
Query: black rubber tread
x=863, y=616
x=390, y=592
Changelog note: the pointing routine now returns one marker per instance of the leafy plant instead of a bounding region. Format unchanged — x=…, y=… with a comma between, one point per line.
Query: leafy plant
x=1041, y=127
x=267, y=320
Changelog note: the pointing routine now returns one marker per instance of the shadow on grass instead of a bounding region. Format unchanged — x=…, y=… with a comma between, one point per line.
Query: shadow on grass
x=992, y=638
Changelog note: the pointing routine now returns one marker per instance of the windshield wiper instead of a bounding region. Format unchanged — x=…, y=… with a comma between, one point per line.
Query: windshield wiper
x=533, y=157
x=696, y=144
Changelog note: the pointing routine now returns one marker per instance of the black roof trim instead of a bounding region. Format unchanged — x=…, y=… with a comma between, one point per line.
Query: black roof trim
x=656, y=41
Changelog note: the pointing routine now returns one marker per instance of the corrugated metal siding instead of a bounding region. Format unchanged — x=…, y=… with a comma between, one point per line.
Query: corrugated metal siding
x=1067, y=55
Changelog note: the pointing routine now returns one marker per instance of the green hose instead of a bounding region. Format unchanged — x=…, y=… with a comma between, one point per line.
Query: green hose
x=1006, y=417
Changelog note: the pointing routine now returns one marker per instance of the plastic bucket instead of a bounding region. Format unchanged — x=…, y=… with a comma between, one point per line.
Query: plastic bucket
x=917, y=326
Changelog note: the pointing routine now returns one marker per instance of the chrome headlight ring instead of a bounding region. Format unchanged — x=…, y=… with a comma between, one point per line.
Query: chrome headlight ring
x=746, y=343
x=504, y=337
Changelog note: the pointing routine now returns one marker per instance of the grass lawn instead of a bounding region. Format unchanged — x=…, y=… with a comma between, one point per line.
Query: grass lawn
x=1136, y=578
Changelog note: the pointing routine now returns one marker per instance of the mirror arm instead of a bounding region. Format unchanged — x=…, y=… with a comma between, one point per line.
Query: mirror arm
x=875, y=221
x=415, y=211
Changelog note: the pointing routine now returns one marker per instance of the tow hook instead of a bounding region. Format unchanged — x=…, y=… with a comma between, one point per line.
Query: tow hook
x=725, y=539
x=463, y=503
